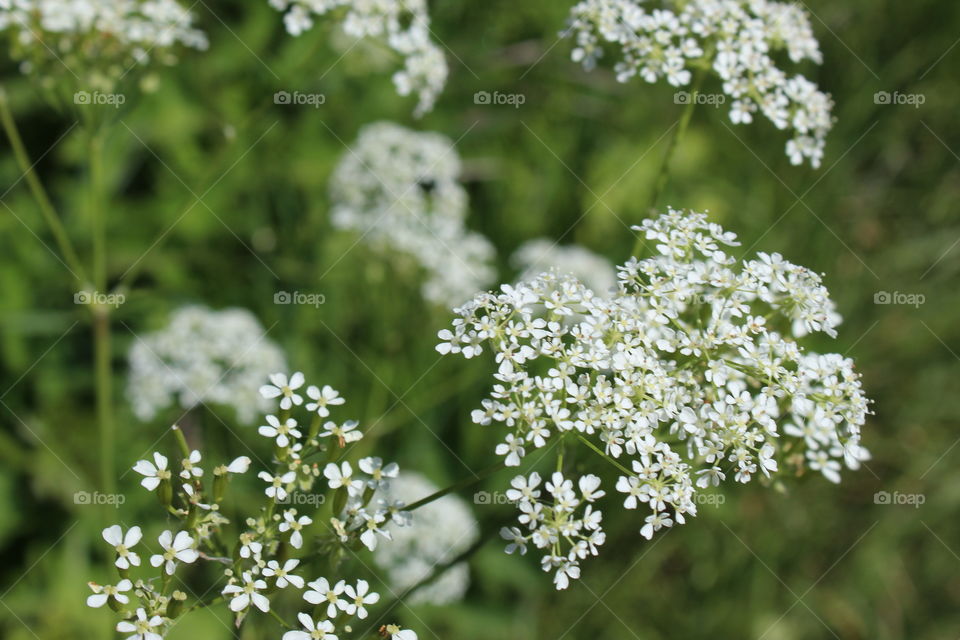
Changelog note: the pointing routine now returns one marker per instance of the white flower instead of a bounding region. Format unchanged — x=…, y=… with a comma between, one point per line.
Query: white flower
x=282, y=574
x=399, y=190
x=396, y=633
x=174, y=549
x=379, y=475
x=239, y=465
x=277, y=484
x=294, y=525
x=689, y=372
x=323, y=398
x=141, y=627
x=360, y=596
x=322, y=630
x=282, y=387
x=191, y=468
x=283, y=432
x=203, y=357
x=739, y=41
x=154, y=472
x=243, y=596
x=123, y=543
x=345, y=433
x=342, y=476
x=404, y=27
x=321, y=591
x=103, y=593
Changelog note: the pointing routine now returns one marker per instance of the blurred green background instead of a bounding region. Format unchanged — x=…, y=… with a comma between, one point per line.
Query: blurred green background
x=575, y=162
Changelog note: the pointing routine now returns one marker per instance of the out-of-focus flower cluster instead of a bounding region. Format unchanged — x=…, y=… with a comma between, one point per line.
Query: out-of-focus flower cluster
x=99, y=41
x=399, y=189
x=438, y=532
x=687, y=376
x=543, y=254
x=403, y=25
x=203, y=356
x=737, y=39
x=313, y=514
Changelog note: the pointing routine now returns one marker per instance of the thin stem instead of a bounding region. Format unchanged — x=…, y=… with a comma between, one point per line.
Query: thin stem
x=664, y=174
x=457, y=486
x=39, y=193
x=603, y=455
x=101, y=316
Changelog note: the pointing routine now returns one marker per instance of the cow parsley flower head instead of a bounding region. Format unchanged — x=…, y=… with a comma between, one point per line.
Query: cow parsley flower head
x=203, y=356
x=688, y=376
x=399, y=189
x=737, y=39
x=97, y=41
x=543, y=254
x=431, y=536
x=402, y=25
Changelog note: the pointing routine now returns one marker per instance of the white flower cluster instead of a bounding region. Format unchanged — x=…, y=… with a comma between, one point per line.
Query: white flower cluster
x=737, y=39
x=543, y=254
x=112, y=35
x=399, y=189
x=256, y=563
x=203, y=356
x=437, y=533
x=688, y=375
x=403, y=25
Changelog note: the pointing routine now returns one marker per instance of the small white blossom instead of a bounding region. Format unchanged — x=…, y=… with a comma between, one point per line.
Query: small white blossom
x=103, y=593
x=154, y=471
x=179, y=548
x=123, y=543
x=284, y=389
x=282, y=574
x=247, y=593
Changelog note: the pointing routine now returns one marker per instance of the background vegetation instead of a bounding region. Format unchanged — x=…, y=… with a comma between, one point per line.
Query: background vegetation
x=219, y=196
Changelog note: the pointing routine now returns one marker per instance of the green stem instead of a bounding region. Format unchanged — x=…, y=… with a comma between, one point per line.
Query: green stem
x=101, y=315
x=39, y=193
x=463, y=484
x=664, y=174
x=603, y=455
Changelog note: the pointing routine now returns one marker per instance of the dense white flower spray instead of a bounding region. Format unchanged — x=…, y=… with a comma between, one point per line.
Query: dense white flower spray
x=736, y=39
x=437, y=533
x=402, y=25
x=543, y=254
x=687, y=376
x=261, y=564
x=399, y=189
x=99, y=40
x=203, y=356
